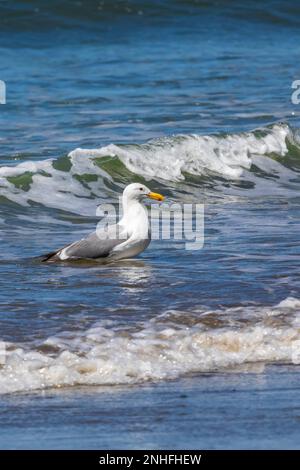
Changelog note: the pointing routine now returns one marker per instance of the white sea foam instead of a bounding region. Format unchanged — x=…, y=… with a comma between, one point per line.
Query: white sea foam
x=167, y=159
x=52, y=187
x=168, y=346
x=170, y=158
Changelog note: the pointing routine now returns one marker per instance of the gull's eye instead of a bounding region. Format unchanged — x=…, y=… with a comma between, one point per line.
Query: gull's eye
x=141, y=189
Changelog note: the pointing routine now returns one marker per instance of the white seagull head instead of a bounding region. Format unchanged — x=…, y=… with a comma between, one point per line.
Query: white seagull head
x=138, y=191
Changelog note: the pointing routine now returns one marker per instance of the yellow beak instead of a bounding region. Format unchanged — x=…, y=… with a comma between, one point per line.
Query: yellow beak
x=156, y=196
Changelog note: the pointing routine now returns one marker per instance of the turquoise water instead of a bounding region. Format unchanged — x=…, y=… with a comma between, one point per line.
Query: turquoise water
x=193, y=99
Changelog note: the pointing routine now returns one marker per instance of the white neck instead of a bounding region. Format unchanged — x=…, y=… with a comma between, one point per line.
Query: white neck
x=135, y=218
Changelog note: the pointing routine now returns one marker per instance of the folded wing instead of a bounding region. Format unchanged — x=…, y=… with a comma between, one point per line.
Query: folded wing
x=92, y=247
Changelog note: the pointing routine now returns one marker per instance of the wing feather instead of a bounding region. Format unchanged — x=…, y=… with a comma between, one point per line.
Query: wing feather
x=93, y=246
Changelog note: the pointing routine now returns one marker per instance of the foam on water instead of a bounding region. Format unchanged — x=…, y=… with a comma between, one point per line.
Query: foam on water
x=49, y=186
x=166, y=160
x=170, y=345
x=171, y=158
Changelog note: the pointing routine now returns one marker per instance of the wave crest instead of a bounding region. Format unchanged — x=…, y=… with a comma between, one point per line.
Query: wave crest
x=168, y=346
x=70, y=182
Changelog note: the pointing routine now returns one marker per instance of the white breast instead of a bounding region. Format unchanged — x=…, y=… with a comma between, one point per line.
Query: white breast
x=136, y=224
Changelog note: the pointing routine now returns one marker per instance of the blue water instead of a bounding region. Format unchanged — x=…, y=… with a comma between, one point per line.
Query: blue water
x=95, y=73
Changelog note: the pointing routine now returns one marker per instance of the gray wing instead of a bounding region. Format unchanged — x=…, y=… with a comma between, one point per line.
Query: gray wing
x=92, y=247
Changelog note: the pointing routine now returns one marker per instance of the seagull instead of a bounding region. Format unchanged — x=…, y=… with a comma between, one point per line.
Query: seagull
x=126, y=239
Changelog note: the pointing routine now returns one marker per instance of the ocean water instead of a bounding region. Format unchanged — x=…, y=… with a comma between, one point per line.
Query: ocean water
x=192, y=98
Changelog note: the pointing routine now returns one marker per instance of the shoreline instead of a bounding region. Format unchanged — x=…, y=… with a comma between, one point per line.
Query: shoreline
x=257, y=412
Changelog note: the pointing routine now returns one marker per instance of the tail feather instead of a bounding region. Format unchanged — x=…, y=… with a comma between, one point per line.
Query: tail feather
x=49, y=256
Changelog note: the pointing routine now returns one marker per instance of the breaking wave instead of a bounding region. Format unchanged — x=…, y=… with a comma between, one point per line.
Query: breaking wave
x=264, y=161
x=170, y=345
